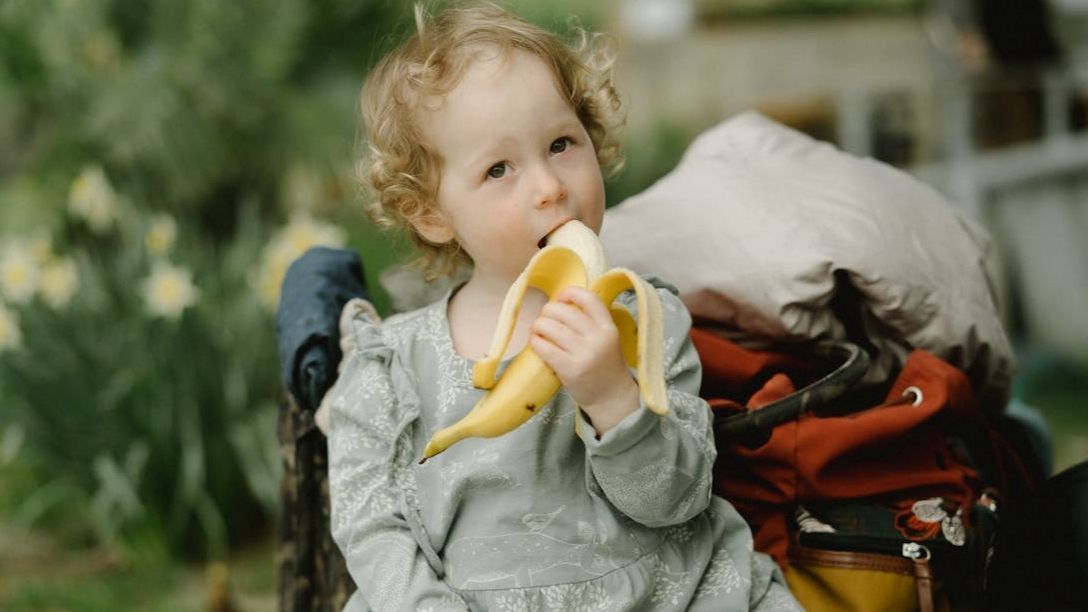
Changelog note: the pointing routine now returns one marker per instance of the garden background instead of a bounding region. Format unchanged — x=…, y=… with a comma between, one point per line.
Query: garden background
x=161, y=164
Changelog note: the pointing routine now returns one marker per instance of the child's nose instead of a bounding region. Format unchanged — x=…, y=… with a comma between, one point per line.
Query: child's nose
x=549, y=188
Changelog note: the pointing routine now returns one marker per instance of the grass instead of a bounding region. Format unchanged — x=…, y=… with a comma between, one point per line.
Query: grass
x=55, y=565
x=38, y=573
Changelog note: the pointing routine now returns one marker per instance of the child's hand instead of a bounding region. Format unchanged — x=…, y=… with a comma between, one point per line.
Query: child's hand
x=576, y=337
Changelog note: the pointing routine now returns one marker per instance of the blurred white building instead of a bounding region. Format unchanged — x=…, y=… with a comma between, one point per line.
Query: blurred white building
x=995, y=118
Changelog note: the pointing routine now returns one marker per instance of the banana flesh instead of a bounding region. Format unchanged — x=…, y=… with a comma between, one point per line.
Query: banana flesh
x=573, y=256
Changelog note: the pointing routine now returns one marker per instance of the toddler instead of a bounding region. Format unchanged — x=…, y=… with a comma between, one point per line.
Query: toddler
x=486, y=133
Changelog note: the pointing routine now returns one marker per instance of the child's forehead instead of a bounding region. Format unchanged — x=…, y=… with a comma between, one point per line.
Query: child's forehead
x=499, y=102
x=495, y=67
x=492, y=65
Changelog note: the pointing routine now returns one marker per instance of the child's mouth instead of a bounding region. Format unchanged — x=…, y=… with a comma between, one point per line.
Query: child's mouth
x=543, y=242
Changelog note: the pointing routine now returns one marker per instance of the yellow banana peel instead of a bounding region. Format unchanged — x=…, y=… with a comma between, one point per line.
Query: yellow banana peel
x=573, y=256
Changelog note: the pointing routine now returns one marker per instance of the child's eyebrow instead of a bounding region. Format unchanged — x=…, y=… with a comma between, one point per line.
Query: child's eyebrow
x=487, y=155
x=493, y=150
x=566, y=125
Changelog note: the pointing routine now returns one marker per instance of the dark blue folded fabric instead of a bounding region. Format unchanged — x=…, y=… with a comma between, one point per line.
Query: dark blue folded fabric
x=315, y=289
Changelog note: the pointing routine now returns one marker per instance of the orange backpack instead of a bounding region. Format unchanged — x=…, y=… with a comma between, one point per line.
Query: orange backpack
x=869, y=499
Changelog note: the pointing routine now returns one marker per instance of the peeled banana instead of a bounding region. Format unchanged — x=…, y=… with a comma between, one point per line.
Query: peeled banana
x=573, y=256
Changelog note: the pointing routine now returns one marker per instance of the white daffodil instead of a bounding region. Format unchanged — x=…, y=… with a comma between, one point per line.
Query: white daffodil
x=161, y=235
x=59, y=282
x=303, y=232
x=11, y=337
x=285, y=247
x=19, y=271
x=268, y=278
x=169, y=290
x=93, y=199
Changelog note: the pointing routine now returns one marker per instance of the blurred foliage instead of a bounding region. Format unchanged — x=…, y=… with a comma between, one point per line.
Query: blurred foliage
x=189, y=107
x=557, y=15
x=106, y=593
x=777, y=9
x=151, y=425
x=1057, y=385
x=41, y=573
x=154, y=148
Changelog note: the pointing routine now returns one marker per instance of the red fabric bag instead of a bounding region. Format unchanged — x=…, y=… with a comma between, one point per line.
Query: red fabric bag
x=891, y=452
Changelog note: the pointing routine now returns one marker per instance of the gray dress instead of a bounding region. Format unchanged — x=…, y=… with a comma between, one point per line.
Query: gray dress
x=546, y=517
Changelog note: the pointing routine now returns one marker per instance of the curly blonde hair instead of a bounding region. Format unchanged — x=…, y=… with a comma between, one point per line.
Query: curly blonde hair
x=399, y=168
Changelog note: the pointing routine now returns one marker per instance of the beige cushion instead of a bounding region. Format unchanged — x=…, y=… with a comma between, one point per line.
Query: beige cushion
x=756, y=221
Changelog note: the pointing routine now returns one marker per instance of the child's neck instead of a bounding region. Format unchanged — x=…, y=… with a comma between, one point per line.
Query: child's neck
x=473, y=312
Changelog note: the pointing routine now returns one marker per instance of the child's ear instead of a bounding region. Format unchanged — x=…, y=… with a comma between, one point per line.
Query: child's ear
x=433, y=226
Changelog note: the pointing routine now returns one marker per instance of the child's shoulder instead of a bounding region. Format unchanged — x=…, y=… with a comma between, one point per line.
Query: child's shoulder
x=401, y=328
x=409, y=319
x=361, y=327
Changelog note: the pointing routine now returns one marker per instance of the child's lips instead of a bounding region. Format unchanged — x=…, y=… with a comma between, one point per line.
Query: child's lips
x=543, y=242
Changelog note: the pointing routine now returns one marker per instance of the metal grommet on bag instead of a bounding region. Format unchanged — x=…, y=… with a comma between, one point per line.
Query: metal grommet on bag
x=916, y=392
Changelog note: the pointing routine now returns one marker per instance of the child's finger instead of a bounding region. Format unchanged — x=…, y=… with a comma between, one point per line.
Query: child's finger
x=588, y=302
x=555, y=333
x=569, y=314
x=552, y=354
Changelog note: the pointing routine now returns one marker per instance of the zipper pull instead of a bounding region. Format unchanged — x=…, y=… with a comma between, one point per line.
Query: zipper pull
x=923, y=574
x=914, y=550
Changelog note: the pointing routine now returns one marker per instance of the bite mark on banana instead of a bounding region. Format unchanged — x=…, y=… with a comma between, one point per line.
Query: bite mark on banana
x=573, y=256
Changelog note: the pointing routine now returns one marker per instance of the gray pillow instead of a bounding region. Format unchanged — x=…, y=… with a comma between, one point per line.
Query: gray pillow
x=760, y=227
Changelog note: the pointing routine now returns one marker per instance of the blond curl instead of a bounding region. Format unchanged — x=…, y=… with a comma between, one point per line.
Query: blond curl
x=398, y=168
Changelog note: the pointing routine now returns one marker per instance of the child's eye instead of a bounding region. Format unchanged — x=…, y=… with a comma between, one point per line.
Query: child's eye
x=560, y=145
x=497, y=171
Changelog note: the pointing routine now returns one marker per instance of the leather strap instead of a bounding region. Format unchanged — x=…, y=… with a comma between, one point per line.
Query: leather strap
x=852, y=560
x=923, y=577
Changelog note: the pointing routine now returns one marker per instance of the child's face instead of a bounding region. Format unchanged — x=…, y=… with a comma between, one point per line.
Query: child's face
x=516, y=163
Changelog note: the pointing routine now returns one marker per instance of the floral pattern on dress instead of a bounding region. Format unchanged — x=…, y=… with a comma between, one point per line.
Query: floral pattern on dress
x=679, y=534
x=721, y=576
x=574, y=597
x=692, y=414
x=628, y=490
x=491, y=537
x=454, y=371
x=483, y=465
x=445, y=603
x=671, y=587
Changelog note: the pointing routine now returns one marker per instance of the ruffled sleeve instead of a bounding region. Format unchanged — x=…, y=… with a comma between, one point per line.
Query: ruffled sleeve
x=657, y=469
x=373, y=410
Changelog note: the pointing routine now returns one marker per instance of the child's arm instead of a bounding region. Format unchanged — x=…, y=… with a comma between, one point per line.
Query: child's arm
x=369, y=454
x=657, y=470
